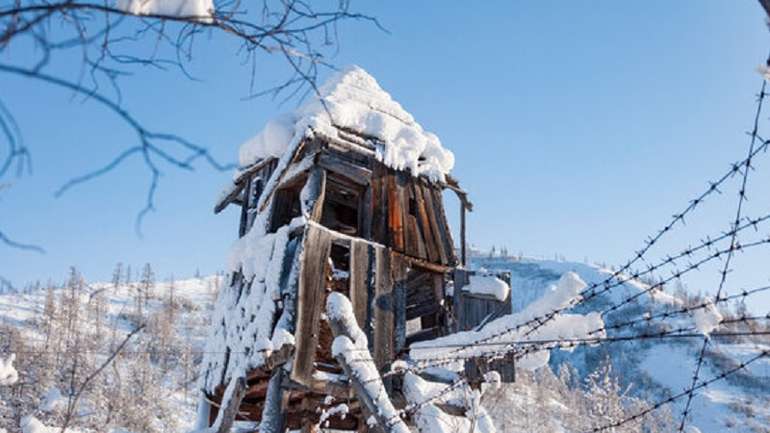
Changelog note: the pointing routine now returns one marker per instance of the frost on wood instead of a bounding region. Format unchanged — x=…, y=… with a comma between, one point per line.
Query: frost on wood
x=179, y=8
x=8, y=374
x=350, y=346
x=707, y=319
x=244, y=313
x=353, y=100
x=503, y=330
x=488, y=285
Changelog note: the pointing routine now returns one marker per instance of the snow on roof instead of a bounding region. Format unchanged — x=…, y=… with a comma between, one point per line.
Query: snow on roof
x=488, y=285
x=354, y=100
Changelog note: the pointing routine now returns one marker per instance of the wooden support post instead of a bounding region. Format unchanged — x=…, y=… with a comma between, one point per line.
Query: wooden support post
x=312, y=282
x=383, y=310
x=359, y=271
x=226, y=417
x=313, y=193
x=243, y=226
x=272, y=415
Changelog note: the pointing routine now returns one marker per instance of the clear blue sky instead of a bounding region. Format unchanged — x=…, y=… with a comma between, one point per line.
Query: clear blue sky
x=578, y=127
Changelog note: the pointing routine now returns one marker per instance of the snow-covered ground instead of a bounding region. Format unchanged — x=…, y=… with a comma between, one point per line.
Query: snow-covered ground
x=656, y=369
x=574, y=393
x=159, y=362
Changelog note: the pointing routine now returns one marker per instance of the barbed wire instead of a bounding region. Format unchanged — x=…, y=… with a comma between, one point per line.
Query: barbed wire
x=607, y=284
x=733, y=240
x=708, y=243
x=556, y=312
x=548, y=345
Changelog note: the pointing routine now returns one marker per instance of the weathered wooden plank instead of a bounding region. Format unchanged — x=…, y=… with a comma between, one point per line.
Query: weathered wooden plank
x=419, y=310
x=399, y=273
x=443, y=225
x=414, y=223
x=395, y=215
x=233, y=396
x=316, y=248
x=428, y=266
x=433, y=222
x=273, y=419
x=359, y=270
x=411, y=243
x=379, y=205
x=354, y=173
x=418, y=279
x=419, y=297
x=371, y=291
x=365, y=213
x=383, y=311
x=313, y=194
x=423, y=335
x=244, y=210
x=423, y=224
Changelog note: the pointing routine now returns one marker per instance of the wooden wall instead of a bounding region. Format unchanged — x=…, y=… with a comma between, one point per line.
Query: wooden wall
x=407, y=215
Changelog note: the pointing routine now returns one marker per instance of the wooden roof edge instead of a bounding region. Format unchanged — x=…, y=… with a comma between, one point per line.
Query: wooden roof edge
x=452, y=184
x=230, y=197
x=239, y=182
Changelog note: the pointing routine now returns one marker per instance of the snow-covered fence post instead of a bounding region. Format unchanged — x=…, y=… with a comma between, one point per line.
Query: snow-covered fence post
x=350, y=348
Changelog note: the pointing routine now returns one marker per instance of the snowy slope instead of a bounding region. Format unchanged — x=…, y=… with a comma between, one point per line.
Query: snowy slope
x=546, y=400
x=654, y=369
x=166, y=350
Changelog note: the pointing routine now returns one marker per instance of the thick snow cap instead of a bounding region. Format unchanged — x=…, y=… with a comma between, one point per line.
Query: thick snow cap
x=352, y=99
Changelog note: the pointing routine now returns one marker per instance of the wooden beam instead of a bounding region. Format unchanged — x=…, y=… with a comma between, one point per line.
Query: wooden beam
x=359, y=270
x=395, y=214
x=383, y=311
x=354, y=173
x=273, y=418
x=314, y=193
x=243, y=226
x=398, y=267
x=434, y=223
x=226, y=416
x=312, y=281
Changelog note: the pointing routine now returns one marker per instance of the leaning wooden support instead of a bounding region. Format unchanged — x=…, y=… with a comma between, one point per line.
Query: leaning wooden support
x=350, y=350
x=272, y=415
x=233, y=397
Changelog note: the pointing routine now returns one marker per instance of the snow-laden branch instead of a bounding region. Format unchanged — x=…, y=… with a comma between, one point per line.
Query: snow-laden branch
x=351, y=349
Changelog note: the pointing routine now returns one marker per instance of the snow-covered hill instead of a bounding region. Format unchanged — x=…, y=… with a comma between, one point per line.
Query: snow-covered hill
x=61, y=334
x=654, y=369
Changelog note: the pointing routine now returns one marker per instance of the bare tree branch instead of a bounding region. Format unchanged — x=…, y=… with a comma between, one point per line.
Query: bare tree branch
x=111, y=43
x=73, y=401
x=22, y=246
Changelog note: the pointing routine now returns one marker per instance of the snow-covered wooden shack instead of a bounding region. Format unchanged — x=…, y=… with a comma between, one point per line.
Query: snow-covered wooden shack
x=344, y=195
